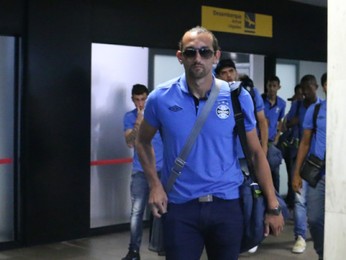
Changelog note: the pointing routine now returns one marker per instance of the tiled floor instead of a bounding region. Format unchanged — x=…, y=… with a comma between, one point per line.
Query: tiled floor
x=114, y=246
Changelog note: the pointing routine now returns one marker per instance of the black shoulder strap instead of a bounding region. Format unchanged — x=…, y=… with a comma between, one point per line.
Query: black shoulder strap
x=314, y=118
x=251, y=90
x=240, y=128
x=180, y=161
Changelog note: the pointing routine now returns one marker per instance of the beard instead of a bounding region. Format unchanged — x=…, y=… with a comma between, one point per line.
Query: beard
x=197, y=71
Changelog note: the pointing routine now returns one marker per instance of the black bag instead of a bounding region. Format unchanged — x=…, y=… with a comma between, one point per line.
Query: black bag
x=156, y=243
x=253, y=205
x=254, y=208
x=288, y=144
x=311, y=170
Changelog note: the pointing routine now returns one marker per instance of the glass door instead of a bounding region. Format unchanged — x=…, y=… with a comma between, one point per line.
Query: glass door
x=7, y=140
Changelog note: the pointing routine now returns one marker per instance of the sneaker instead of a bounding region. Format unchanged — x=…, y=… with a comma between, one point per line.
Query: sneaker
x=299, y=246
x=253, y=250
x=132, y=255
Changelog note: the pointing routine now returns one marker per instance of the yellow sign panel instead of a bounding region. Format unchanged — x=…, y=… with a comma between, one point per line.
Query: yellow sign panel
x=233, y=21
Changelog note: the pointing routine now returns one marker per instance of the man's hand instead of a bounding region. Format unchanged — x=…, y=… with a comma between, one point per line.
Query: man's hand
x=131, y=134
x=158, y=200
x=297, y=182
x=273, y=224
x=139, y=115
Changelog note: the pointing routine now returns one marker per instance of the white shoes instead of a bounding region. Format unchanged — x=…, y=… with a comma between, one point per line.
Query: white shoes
x=299, y=246
x=253, y=250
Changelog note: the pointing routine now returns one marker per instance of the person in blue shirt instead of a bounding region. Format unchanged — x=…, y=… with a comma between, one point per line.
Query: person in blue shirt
x=314, y=142
x=274, y=109
x=227, y=71
x=295, y=118
x=203, y=208
x=139, y=188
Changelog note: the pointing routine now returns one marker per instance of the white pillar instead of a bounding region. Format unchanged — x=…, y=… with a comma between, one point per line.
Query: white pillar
x=335, y=214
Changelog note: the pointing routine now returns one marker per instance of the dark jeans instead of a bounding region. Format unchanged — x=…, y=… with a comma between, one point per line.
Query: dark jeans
x=276, y=178
x=289, y=160
x=191, y=226
x=274, y=157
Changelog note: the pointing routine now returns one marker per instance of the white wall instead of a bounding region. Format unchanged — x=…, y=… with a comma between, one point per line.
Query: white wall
x=335, y=213
x=257, y=71
x=166, y=67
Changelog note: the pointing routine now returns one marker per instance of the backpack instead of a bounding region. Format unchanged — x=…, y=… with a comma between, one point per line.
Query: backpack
x=253, y=202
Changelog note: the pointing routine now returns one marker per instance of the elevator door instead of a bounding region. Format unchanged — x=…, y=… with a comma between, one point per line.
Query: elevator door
x=7, y=87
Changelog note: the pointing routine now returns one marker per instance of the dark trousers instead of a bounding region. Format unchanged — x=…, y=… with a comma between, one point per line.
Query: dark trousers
x=276, y=177
x=191, y=226
x=290, y=197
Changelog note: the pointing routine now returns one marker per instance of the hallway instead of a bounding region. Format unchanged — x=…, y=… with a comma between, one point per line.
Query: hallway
x=114, y=246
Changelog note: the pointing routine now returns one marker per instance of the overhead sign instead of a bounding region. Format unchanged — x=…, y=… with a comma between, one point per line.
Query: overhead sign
x=233, y=21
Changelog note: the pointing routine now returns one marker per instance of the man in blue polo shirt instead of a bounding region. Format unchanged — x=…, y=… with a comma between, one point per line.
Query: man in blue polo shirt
x=309, y=86
x=203, y=208
x=139, y=186
x=289, y=142
x=274, y=109
x=314, y=142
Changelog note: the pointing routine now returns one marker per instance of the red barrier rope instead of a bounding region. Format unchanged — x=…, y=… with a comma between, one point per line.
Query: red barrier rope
x=5, y=161
x=92, y=163
x=111, y=161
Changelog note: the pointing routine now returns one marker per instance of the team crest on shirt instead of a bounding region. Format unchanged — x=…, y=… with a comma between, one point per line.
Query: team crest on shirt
x=222, y=110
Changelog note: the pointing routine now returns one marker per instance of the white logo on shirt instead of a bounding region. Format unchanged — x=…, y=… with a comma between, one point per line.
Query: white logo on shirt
x=223, y=111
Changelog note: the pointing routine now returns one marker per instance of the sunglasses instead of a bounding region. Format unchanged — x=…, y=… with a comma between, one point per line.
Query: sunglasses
x=205, y=53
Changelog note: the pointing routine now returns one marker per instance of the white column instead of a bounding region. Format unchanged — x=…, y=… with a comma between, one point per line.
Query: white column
x=335, y=215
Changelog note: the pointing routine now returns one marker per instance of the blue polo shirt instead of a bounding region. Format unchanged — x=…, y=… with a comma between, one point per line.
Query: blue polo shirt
x=129, y=121
x=301, y=114
x=274, y=114
x=212, y=166
x=318, y=142
x=259, y=107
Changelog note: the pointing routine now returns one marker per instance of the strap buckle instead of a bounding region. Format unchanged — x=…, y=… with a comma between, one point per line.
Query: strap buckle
x=178, y=166
x=179, y=162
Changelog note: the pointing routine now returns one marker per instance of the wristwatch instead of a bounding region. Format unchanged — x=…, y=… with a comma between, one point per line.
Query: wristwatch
x=275, y=211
